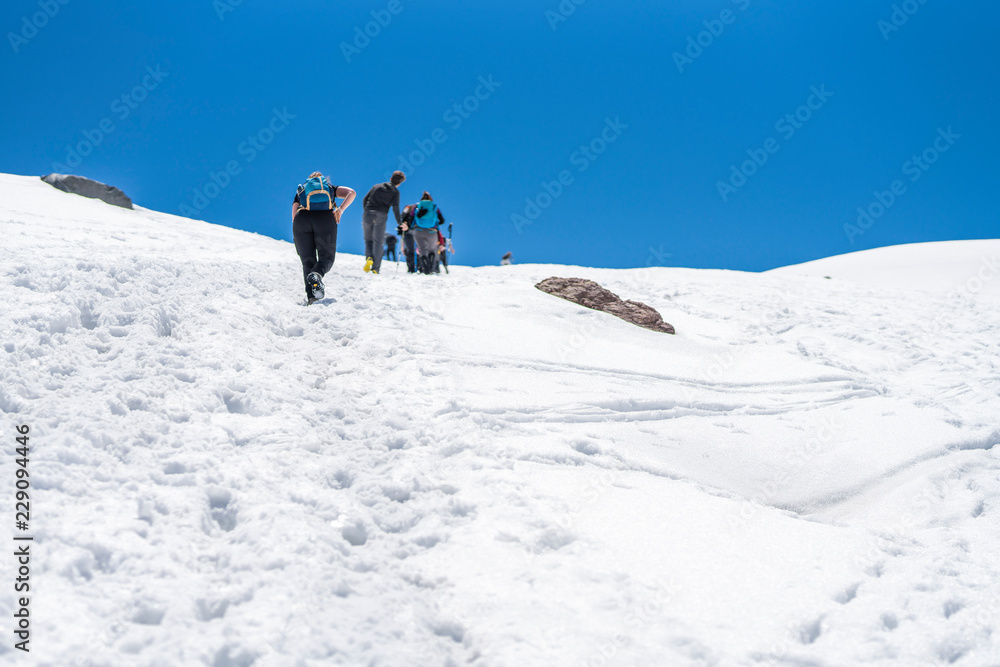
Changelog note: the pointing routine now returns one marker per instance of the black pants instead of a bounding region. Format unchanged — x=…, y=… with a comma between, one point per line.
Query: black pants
x=315, y=234
x=409, y=251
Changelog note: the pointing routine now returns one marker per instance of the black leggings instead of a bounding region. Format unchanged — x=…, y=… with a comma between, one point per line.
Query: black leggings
x=315, y=234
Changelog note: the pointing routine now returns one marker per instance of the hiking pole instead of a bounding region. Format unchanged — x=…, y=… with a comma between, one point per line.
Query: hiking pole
x=446, y=270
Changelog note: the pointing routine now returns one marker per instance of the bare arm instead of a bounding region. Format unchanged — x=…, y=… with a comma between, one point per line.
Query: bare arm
x=295, y=208
x=348, y=196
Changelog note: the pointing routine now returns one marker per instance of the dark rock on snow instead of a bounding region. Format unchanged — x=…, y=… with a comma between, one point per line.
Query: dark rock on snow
x=590, y=294
x=85, y=187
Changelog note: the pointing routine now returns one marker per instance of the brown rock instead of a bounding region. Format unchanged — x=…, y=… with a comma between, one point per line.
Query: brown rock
x=591, y=295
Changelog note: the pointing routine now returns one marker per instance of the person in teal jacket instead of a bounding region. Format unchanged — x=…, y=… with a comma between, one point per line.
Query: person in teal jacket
x=426, y=219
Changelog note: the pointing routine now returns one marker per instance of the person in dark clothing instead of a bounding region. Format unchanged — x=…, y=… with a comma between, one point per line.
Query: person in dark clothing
x=409, y=249
x=315, y=234
x=427, y=217
x=390, y=248
x=377, y=203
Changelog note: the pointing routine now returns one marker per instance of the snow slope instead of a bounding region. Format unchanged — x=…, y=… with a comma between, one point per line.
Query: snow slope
x=464, y=470
x=953, y=268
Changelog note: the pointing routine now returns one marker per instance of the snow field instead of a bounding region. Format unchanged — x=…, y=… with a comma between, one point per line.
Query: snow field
x=463, y=470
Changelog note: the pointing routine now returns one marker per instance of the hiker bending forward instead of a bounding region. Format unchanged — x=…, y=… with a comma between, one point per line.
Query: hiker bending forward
x=315, y=216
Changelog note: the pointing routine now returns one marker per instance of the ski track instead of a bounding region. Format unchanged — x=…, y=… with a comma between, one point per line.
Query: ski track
x=415, y=471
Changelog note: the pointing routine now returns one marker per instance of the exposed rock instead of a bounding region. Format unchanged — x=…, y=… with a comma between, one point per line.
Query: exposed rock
x=85, y=187
x=591, y=295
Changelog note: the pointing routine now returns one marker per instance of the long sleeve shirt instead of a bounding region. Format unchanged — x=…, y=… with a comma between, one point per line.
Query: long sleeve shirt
x=381, y=198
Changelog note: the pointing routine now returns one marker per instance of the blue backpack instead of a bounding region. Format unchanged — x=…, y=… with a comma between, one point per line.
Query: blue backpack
x=316, y=195
x=426, y=214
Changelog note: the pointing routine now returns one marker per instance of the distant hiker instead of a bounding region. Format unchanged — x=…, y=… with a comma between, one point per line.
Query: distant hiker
x=406, y=233
x=390, y=248
x=426, y=219
x=444, y=247
x=315, y=216
x=377, y=203
x=438, y=247
x=507, y=260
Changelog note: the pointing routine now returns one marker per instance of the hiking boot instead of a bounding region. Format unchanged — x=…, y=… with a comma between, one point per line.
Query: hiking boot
x=368, y=264
x=374, y=272
x=315, y=283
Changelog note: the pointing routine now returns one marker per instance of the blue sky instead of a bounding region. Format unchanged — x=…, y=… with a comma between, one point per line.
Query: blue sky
x=591, y=141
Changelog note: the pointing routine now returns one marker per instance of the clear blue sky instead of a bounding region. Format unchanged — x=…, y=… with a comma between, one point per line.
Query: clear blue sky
x=675, y=133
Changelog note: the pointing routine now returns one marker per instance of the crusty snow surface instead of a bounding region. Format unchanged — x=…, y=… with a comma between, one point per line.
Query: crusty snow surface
x=462, y=470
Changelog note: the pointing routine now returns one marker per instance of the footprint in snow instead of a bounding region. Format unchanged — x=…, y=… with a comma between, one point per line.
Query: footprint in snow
x=848, y=593
x=355, y=534
x=342, y=479
x=587, y=447
x=207, y=610
x=809, y=633
x=978, y=510
x=951, y=607
x=221, y=510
